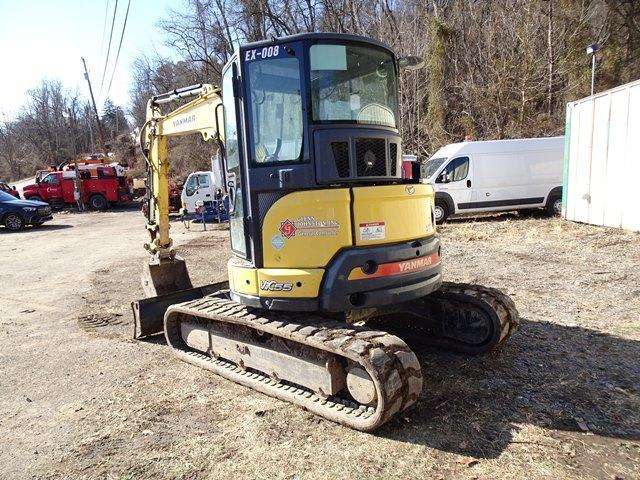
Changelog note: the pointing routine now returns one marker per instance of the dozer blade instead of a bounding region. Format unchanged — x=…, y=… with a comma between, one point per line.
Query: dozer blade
x=167, y=276
x=148, y=313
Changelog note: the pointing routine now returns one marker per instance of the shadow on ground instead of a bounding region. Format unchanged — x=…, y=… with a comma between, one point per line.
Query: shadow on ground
x=498, y=217
x=549, y=375
x=31, y=229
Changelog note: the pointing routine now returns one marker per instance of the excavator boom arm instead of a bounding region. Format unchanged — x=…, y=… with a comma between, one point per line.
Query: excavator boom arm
x=200, y=115
x=165, y=272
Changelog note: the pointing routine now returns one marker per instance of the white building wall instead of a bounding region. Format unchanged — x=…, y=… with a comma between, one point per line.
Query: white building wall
x=602, y=159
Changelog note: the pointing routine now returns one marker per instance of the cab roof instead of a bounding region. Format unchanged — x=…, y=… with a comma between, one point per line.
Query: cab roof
x=342, y=37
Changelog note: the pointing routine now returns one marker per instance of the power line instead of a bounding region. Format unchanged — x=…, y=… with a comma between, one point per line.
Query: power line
x=115, y=65
x=104, y=27
x=113, y=22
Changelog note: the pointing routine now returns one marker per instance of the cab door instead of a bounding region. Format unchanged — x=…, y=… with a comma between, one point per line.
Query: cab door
x=50, y=187
x=456, y=179
x=233, y=160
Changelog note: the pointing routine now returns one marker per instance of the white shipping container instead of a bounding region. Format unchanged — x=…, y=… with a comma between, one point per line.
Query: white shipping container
x=602, y=158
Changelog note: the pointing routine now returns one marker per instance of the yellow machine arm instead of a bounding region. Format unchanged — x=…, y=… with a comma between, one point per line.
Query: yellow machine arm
x=200, y=115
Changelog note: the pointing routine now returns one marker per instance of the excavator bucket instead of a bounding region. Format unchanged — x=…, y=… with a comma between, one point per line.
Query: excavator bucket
x=148, y=313
x=165, y=284
x=164, y=277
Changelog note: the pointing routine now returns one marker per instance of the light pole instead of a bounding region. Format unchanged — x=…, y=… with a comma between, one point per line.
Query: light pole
x=591, y=50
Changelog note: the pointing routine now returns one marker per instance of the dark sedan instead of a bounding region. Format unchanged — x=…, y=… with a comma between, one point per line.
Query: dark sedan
x=16, y=213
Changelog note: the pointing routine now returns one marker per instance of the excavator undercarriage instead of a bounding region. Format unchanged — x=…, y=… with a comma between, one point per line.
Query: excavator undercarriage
x=358, y=375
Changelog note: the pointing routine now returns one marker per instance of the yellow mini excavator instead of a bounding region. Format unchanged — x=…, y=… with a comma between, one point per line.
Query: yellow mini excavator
x=336, y=267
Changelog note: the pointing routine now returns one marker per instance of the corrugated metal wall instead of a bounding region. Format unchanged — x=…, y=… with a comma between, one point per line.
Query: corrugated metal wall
x=602, y=159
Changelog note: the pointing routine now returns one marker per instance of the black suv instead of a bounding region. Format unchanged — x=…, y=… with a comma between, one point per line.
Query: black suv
x=16, y=213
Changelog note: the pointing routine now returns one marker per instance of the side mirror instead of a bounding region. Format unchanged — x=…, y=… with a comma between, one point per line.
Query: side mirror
x=37, y=180
x=411, y=62
x=14, y=188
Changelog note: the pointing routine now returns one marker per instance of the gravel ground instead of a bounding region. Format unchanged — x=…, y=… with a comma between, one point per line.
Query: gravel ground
x=562, y=399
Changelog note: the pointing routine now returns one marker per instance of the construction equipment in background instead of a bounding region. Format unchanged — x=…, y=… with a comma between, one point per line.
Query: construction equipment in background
x=335, y=256
x=100, y=187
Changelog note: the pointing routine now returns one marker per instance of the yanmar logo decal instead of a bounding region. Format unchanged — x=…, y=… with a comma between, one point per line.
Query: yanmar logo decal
x=416, y=264
x=178, y=122
x=397, y=268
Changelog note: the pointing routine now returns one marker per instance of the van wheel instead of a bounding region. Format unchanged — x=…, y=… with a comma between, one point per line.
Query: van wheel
x=554, y=206
x=13, y=222
x=441, y=212
x=98, y=202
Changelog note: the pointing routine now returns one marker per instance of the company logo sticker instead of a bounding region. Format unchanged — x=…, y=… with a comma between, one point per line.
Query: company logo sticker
x=308, y=226
x=287, y=228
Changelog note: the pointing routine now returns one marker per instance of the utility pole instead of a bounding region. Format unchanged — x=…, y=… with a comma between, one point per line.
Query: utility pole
x=95, y=110
x=77, y=182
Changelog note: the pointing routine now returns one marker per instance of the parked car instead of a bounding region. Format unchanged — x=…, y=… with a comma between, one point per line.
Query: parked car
x=16, y=213
x=4, y=187
x=497, y=175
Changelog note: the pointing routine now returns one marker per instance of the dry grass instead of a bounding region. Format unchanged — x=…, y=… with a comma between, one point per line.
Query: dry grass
x=510, y=414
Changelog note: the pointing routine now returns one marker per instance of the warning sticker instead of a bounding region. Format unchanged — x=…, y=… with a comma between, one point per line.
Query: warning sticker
x=372, y=231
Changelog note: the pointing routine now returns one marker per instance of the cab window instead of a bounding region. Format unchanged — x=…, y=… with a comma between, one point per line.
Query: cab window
x=275, y=105
x=203, y=181
x=456, y=170
x=192, y=185
x=50, y=179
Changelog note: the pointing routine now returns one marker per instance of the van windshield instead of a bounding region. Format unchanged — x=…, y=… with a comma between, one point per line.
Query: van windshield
x=433, y=164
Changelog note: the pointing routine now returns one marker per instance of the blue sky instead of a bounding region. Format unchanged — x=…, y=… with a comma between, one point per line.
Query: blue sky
x=46, y=38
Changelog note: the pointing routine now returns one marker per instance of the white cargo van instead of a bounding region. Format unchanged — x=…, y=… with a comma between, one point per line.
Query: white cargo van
x=496, y=175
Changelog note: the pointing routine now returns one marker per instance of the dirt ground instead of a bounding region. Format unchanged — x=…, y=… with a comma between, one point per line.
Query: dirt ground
x=81, y=399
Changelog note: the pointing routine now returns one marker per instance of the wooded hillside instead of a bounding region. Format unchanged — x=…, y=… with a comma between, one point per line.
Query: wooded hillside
x=495, y=69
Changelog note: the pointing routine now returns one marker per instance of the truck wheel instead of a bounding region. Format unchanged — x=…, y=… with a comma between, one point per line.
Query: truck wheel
x=36, y=198
x=98, y=202
x=554, y=206
x=441, y=212
x=13, y=222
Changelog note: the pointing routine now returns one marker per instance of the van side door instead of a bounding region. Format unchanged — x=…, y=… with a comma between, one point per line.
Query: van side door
x=456, y=180
x=507, y=180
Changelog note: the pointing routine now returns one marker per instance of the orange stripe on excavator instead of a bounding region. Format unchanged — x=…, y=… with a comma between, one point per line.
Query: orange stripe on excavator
x=397, y=268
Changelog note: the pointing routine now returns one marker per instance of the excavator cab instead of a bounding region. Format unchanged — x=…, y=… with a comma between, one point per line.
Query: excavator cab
x=329, y=243
x=315, y=171
x=308, y=129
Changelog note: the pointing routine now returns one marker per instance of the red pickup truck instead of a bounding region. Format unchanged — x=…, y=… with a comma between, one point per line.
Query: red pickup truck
x=99, y=191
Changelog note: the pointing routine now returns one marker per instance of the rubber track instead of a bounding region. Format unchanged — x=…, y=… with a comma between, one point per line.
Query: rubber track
x=506, y=317
x=393, y=367
x=498, y=307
